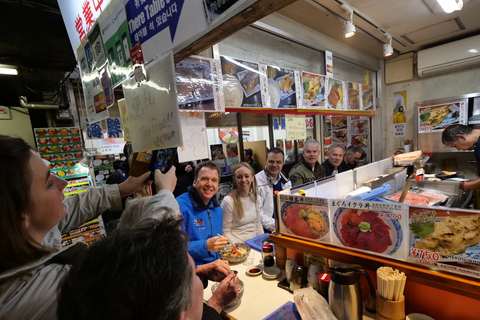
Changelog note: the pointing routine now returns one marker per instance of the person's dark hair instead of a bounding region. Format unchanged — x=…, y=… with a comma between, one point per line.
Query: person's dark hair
x=276, y=150
x=449, y=135
x=248, y=152
x=16, y=245
x=353, y=149
x=209, y=164
x=137, y=273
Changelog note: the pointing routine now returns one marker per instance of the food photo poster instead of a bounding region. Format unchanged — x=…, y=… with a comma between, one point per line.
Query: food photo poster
x=199, y=81
x=244, y=83
x=305, y=217
x=376, y=227
x=445, y=238
x=284, y=88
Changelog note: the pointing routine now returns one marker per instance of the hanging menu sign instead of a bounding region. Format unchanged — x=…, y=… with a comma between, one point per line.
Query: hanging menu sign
x=244, y=84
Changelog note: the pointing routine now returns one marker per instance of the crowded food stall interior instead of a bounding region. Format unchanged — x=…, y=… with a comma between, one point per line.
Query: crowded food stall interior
x=313, y=159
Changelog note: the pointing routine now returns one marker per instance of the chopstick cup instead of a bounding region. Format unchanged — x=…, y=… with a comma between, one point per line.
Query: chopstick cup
x=390, y=302
x=390, y=283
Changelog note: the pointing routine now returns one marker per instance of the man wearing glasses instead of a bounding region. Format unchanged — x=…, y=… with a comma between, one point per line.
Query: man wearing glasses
x=352, y=155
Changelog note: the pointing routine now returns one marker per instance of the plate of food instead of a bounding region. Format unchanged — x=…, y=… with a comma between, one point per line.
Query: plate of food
x=367, y=230
x=309, y=221
x=313, y=89
x=440, y=116
x=338, y=122
x=367, y=99
x=335, y=96
x=250, y=81
x=194, y=82
x=453, y=238
x=286, y=85
x=446, y=174
x=235, y=252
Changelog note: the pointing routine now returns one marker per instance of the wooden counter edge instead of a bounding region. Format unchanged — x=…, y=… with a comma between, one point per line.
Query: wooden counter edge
x=436, y=278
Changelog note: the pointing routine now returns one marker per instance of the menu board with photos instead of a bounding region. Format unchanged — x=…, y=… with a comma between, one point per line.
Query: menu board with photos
x=244, y=84
x=353, y=91
x=313, y=86
x=62, y=147
x=305, y=217
x=284, y=88
x=445, y=238
x=377, y=227
x=335, y=92
x=368, y=97
x=436, y=118
x=198, y=84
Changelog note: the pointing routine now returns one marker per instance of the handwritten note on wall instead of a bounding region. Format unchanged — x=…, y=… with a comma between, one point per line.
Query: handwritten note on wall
x=122, y=107
x=153, y=108
x=295, y=126
x=195, y=145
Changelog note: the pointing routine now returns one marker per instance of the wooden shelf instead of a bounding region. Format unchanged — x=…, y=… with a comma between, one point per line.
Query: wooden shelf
x=436, y=278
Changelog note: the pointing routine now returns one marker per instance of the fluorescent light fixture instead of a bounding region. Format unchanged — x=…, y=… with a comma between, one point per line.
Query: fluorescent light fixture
x=348, y=26
x=473, y=51
x=8, y=70
x=451, y=5
x=387, y=47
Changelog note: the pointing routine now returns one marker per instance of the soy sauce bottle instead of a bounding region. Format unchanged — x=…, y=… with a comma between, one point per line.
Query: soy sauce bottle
x=267, y=255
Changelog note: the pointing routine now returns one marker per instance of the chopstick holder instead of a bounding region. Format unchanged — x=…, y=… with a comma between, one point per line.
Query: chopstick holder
x=390, y=310
x=390, y=302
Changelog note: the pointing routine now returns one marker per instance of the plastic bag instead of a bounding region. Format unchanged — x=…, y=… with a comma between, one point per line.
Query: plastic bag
x=311, y=305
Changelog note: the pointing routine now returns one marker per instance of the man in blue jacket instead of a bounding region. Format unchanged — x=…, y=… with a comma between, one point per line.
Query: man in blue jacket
x=202, y=214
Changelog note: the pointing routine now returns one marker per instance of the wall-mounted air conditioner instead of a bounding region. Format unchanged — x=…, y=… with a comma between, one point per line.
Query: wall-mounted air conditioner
x=449, y=57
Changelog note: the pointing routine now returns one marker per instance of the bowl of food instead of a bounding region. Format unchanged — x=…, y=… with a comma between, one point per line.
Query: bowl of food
x=235, y=252
x=240, y=288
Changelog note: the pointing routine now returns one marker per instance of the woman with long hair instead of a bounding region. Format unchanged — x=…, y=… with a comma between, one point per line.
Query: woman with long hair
x=241, y=216
x=33, y=215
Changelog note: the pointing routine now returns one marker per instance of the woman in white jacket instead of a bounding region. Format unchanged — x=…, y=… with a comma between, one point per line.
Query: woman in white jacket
x=241, y=216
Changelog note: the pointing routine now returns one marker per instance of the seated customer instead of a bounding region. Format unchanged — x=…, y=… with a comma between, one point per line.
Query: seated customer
x=144, y=272
x=202, y=214
x=350, y=160
x=335, y=158
x=308, y=169
x=248, y=155
x=269, y=180
x=241, y=215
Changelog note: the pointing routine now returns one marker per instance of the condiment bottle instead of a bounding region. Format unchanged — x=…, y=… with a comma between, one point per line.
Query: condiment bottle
x=267, y=255
x=323, y=281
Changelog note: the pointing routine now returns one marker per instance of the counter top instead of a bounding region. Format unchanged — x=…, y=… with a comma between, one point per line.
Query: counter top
x=260, y=297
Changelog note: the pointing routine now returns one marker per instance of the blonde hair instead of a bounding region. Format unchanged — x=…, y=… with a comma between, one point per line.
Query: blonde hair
x=239, y=211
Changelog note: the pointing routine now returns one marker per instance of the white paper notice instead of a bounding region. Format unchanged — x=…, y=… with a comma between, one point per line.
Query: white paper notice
x=194, y=134
x=153, y=108
x=122, y=107
x=295, y=125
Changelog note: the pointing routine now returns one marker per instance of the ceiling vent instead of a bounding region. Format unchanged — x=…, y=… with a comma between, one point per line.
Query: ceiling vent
x=449, y=57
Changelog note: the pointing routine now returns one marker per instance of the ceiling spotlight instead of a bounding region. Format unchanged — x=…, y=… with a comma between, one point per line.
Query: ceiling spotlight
x=348, y=26
x=451, y=5
x=348, y=29
x=387, y=47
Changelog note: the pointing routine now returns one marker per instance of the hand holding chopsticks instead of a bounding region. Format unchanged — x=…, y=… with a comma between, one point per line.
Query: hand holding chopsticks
x=390, y=283
x=217, y=243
